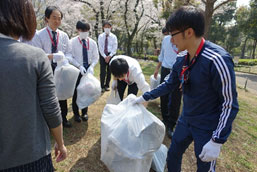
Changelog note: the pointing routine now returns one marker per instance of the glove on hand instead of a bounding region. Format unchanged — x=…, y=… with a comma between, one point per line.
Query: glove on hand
x=90, y=70
x=137, y=100
x=210, y=151
x=82, y=70
x=58, y=56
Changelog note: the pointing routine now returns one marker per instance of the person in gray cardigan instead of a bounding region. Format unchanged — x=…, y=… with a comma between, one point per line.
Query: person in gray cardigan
x=29, y=108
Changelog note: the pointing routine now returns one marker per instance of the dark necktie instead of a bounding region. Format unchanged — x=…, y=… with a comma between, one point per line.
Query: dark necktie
x=85, y=55
x=106, y=45
x=54, y=43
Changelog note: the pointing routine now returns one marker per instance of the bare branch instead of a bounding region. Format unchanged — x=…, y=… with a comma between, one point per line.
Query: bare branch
x=223, y=3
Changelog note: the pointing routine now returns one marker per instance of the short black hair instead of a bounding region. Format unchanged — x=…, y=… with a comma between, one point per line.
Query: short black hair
x=17, y=18
x=83, y=25
x=164, y=30
x=105, y=22
x=187, y=17
x=49, y=10
x=119, y=67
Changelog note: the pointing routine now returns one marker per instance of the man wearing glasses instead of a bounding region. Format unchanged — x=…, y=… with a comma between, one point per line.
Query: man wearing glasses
x=206, y=77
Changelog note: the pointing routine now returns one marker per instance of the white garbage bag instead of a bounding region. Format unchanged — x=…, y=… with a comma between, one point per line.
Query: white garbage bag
x=114, y=97
x=88, y=91
x=65, y=78
x=154, y=82
x=159, y=159
x=130, y=135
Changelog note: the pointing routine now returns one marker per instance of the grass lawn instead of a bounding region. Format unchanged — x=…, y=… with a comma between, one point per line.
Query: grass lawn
x=238, y=154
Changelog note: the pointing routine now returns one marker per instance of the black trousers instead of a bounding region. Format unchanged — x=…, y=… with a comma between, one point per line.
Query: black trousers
x=121, y=86
x=62, y=103
x=170, y=111
x=74, y=99
x=105, y=73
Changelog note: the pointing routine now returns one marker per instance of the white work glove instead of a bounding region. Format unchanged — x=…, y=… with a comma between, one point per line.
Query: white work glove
x=90, y=70
x=137, y=100
x=210, y=151
x=114, y=84
x=58, y=56
x=83, y=71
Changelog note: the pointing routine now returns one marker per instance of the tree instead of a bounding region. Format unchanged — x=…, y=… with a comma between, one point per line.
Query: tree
x=253, y=24
x=210, y=7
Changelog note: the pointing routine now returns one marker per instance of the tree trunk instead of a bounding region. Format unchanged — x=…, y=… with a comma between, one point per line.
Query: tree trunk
x=129, y=42
x=254, y=47
x=243, y=49
x=208, y=16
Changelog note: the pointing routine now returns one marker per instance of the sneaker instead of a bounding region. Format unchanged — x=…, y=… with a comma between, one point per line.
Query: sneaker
x=170, y=132
x=77, y=118
x=66, y=124
x=84, y=117
x=107, y=89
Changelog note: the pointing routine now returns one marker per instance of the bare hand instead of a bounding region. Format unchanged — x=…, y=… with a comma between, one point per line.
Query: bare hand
x=156, y=72
x=50, y=56
x=60, y=152
x=107, y=59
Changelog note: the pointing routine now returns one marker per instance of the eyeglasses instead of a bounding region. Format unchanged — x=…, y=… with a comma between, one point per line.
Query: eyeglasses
x=176, y=33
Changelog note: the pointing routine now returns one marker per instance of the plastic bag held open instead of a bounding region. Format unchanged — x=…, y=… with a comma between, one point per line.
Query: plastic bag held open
x=154, y=82
x=88, y=91
x=65, y=78
x=130, y=135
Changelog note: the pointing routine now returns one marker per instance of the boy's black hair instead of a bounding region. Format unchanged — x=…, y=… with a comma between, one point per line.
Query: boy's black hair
x=83, y=25
x=187, y=17
x=119, y=67
x=164, y=30
x=50, y=9
x=106, y=23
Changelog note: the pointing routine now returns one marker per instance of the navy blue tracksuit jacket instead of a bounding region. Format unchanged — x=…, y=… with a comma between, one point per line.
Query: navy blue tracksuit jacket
x=209, y=96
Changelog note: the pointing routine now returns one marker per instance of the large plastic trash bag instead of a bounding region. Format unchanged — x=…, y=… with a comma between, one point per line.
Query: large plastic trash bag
x=154, y=82
x=130, y=135
x=114, y=98
x=88, y=91
x=65, y=78
x=159, y=159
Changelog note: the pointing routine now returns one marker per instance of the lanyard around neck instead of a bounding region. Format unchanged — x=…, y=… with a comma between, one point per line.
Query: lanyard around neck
x=87, y=47
x=185, y=66
x=52, y=41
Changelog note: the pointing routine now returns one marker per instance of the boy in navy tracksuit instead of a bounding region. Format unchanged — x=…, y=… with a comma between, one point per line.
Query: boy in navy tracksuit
x=207, y=79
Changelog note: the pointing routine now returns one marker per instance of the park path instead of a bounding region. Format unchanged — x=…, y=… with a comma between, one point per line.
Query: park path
x=251, y=79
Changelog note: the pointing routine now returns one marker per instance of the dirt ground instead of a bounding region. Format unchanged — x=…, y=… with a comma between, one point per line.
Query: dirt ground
x=83, y=142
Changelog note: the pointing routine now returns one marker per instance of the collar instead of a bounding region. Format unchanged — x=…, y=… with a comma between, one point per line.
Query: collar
x=5, y=36
x=51, y=29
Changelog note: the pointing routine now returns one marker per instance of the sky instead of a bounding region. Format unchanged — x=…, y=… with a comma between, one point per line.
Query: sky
x=242, y=2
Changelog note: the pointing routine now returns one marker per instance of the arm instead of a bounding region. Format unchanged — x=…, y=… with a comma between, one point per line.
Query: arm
x=114, y=46
x=166, y=87
x=60, y=149
x=49, y=103
x=101, y=46
x=69, y=55
x=224, y=83
x=157, y=69
x=95, y=57
x=141, y=83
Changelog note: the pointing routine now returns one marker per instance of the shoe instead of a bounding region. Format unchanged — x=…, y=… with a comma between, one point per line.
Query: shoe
x=66, y=124
x=77, y=118
x=107, y=89
x=103, y=90
x=170, y=132
x=84, y=117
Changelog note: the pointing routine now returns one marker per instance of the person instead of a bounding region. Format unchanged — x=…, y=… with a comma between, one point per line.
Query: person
x=32, y=41
x=167, y=58
x=206, y=76
x=127, y=72
x=108, y=45
x=55, y=43
x=84, y=55
x=28, y=102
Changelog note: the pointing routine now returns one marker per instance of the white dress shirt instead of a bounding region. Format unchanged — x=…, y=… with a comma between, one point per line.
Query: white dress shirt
x=44, y=41
x=135, y=74
x=33, y=41
x=75, y=56
x=168, y=53
x=112, y=44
